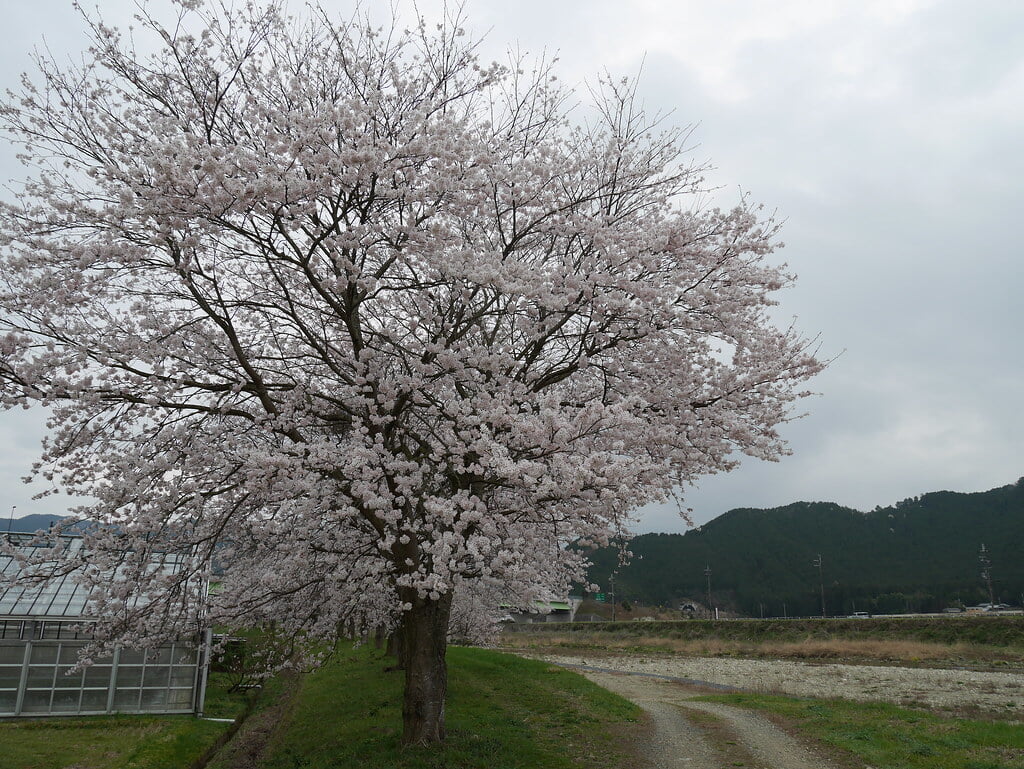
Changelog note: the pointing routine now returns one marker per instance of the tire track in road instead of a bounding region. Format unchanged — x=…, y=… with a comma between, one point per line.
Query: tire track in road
x=679, y=743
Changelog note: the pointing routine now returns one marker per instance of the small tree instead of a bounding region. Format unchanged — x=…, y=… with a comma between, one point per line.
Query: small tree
x=364, y=318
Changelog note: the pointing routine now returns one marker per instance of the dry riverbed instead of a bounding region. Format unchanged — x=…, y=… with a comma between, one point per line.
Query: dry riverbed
x=939, y=689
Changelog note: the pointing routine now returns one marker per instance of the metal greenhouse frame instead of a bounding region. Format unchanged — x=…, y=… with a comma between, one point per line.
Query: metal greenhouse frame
x=44, y=627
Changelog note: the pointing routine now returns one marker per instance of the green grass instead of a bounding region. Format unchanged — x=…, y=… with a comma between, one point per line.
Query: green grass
x=503, y=713
x=885, y=736
x=984, y=630
x=116, y=742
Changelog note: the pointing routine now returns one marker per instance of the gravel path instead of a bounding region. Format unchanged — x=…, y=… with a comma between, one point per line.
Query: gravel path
x=929, y=687
x=678, y=743
x=683, y=739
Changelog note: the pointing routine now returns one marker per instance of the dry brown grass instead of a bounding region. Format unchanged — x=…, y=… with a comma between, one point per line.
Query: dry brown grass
x=837, y=649
x=902, y=650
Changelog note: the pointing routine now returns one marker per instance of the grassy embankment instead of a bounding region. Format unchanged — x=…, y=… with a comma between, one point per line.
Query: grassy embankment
x=983, y=641
x=507, y=712
x=889, y=737
x=119, y=742
x=504, y=712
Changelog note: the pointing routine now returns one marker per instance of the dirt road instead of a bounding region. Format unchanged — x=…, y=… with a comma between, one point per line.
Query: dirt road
x=704, y=735
x=697, y=735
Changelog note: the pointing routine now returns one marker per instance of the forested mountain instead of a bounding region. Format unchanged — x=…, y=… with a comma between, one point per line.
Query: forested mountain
x=921, y=554
x=30, y=523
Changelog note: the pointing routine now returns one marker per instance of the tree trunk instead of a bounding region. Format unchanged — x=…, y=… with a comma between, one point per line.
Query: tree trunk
x=424, y=632
x=395, y=648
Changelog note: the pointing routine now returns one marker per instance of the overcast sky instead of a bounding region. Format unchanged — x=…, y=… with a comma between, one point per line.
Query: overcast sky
x=890, y=137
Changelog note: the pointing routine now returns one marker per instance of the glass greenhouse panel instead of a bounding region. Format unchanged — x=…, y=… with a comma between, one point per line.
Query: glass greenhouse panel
x=129, y=676
x=69, y=653
x=10, y=676
x=132, y=657
x=66, y=701
x=66, y=679
x=45, y=625
x=40, y=676
x=45, y=654
x=94, y=700
x=52, y=687
x=161, y=656
x=179, y=699
x=126, y=700
x=156, y=675
x=154, y=699
x=183, y=676
x=97, y=675
x=36, y=701
x=8, y=699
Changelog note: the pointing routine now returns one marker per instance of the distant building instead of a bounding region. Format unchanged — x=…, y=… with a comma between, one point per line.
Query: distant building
x=547, y=611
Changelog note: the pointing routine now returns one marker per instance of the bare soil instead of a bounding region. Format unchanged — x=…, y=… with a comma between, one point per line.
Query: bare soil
x=246, y=747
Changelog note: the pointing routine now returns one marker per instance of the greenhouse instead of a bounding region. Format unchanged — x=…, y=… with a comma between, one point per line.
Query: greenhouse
x=42, y=630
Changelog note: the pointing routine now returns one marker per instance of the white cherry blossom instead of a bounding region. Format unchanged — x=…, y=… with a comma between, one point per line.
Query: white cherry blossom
x=369, y=322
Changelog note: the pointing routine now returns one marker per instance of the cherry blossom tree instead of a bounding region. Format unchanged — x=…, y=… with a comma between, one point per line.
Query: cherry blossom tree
x=365, y=319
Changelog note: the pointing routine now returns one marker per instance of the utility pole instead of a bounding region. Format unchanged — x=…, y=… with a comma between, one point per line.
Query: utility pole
x=986, y=573
x=611, y=581
x=10, y=520
x=707, y=576
x=821, y=584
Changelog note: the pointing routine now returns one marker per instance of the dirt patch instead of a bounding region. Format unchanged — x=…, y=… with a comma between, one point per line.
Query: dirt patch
x=246, y=747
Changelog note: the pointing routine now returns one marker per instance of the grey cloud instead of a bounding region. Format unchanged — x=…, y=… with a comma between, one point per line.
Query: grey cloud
x=891, y=148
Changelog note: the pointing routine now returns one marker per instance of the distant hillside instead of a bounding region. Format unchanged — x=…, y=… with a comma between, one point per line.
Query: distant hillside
x=30, y=523
x=920, y=554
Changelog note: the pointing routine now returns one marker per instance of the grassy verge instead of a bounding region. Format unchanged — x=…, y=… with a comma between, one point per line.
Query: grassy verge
x=117, y=742
x=986, y=642
x=834, y=650
x=503, y=713
x=889, y=737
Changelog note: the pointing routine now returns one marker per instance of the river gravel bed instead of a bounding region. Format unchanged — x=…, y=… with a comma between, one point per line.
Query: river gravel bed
x=937, y=688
